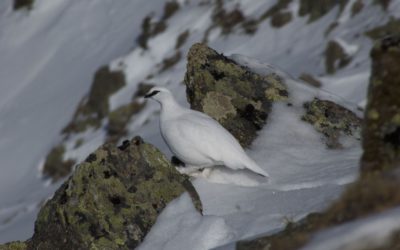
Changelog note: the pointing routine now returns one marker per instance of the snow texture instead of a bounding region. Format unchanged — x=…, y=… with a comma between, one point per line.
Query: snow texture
x=49, y=56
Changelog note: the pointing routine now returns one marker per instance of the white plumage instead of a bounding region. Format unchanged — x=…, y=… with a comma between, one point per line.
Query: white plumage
x=198, y=140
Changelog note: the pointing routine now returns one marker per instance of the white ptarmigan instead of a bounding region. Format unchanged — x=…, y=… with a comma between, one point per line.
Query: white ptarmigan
x=197, y=139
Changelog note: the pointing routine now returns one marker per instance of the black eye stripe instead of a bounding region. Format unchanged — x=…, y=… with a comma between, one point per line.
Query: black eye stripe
x=152, y=94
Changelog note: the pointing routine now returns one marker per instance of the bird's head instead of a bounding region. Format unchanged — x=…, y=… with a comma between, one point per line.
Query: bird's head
x=161, y=95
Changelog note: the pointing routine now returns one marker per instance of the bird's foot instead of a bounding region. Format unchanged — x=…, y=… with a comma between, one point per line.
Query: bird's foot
x=187, y=170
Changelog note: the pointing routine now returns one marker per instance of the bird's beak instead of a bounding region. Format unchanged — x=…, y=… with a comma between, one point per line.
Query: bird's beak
x=147, y=95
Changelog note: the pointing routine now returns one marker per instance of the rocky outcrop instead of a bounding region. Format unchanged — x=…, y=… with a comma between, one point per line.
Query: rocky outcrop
x=111, y=201
x=233, y=95
x=377, y=188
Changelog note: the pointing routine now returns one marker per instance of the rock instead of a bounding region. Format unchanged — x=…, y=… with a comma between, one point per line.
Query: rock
x=317, y=9
x=55, y=166
x=377, y=188
x=335, y=57
x=332, y=120
x=230, y=93
x=111, y=201
x=20, y=4
x=381, y=136
x=95, y=107
x=310, y=79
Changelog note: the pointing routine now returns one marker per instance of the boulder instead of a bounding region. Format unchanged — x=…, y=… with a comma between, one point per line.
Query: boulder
x=111, y=201
x=230, y=93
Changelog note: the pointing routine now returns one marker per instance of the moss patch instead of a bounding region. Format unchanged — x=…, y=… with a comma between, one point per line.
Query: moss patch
x=238, y=98
x=55, y=166
x=332, y=120
x=111, y=201
x=335, y=57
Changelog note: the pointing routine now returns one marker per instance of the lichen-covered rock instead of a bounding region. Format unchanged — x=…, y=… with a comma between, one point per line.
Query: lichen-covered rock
x=16, y=245
x=332, y=120
x=381, y=136
x=111, y=201
x=230, y=93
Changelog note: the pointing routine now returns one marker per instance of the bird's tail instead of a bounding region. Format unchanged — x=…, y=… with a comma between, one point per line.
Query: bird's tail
x=250, y=164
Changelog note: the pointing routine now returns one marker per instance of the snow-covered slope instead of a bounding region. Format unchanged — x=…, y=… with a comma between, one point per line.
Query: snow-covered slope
x=50, y=53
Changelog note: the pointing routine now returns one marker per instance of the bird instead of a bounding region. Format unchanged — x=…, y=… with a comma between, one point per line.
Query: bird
x=198, y=140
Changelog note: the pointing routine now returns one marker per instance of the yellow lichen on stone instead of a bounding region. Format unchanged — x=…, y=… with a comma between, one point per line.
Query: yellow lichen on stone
x=373, y=114
x=218, y=106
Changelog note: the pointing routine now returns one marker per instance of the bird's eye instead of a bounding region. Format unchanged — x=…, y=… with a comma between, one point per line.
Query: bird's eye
x=153, y=93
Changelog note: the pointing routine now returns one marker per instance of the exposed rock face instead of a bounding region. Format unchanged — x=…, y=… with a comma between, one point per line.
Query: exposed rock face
x=332, y=120
x=377, y=188
x=381, y=136
x=111, y=201
x=236, y=97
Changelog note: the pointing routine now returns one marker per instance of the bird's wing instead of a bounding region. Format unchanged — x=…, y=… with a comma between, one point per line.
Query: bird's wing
x=207, y=136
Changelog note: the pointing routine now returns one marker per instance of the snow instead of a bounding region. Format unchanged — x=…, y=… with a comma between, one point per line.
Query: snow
x=49, y=56
x=180, y=226
x=371, y=232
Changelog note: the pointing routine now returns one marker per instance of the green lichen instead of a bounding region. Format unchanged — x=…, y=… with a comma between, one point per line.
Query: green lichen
x=332, y=120
x=218, y=106
x=111, y=201
x=16, y=245
x=276, y=91
x=231, y=93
